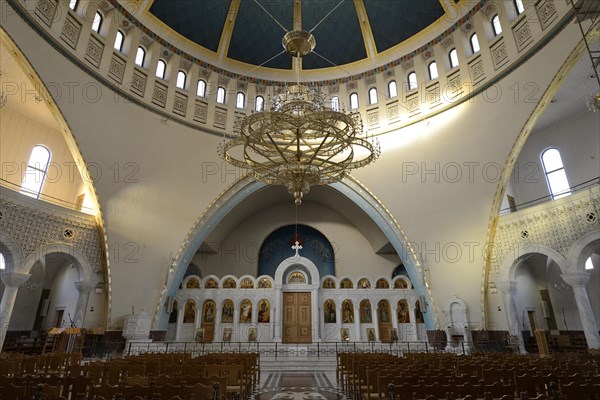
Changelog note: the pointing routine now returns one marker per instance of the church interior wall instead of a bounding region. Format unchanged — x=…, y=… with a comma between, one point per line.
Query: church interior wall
x=577, y=140
x=238, y=253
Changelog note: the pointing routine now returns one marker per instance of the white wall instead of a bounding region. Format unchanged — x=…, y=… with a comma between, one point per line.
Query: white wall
x=354, y=256
x=28, y=298
x=63, y=294
x=19, y=135
x=578, y=141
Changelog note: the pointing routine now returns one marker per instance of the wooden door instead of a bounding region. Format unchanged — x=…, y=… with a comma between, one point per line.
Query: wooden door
x=297, y=318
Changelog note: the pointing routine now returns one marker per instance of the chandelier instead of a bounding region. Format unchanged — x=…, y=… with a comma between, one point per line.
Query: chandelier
x=302, y=140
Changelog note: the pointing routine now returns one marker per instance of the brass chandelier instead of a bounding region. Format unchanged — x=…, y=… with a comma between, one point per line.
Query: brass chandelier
x=301, y=141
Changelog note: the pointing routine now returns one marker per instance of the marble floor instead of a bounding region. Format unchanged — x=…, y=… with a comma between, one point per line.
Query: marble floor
x=298, y=385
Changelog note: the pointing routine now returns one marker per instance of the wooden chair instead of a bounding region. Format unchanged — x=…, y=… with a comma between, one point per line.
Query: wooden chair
x=198, y=392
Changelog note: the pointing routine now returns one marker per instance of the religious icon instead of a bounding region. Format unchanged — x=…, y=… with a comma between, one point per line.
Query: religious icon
x=344, y=334
x=199, y=337
x=264, y=283
x=245, y=311
x=227, y=312
x=394, y=335
x=403, y=315
x=246, y=284
x=329, y=312
x=252, y=335
x=418, y=313
x=347, y=312
x=189, y=312
x=370, y=334
x=227, y=332
x=382, y=284
x=211, y=284
x=297, y=277
x=400, y=284
x=384, y=311
x=365, y=312
x=192, y=284
x=229, y=284
x=346, y=284
x=263, y=311
x=328, y=284
x=209, y=312
x=364, y=284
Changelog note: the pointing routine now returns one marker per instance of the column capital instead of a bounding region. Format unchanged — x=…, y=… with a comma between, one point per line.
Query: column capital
x=14, y=279
x=85, y=286
x=507, y=287
x=576, y=279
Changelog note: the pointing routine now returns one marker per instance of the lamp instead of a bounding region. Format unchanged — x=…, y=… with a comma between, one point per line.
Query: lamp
x=300, y=141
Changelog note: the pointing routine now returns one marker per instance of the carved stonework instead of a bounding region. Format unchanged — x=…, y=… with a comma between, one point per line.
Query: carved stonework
x=433, y=95
x=467, y=26
x=200, y=112
x=116, y=69
x=105, y=6
x=333, y=89
x=93, y=52
x=138, y=83
x=393, y=112
x=373, y=118
x=412, y=104
x=477, y=71
x=351, y=85
x=370, y=80
x=454, y=86
x=522, y=35
x=220, y=120
x=499, y=55
x=427, y=54
x=184, y=64
x=45, y=10
x=146, y=40
x=546, y=11
x=165, y=53
x=556, y=224
x=223, y=80
x=159, y=94
x=448, y=41
x=34, y=228
x=408, y=64
x=71, y=30
x=242, y=86
x=180, y=104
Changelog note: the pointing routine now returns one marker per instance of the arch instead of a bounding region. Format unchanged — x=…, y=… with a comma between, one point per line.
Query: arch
x=97, y=22
x=433, y=70
x=382, y=283
x=510, y=264
x=583, y=248
x=496, y=26
x=161, y=68
x=365, y=311
x=392, y=89
x=86, y=271
x=119, y=39
x=264, y=282
x=181, y=79
x=453, y=57
x=140, y=56
x=295, y=263
x=353, y=101
x=10, y=249
x=227, y=310
x=246, y=186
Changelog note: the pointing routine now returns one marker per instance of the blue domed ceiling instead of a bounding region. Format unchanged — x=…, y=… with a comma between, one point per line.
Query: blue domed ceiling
x=259, y=25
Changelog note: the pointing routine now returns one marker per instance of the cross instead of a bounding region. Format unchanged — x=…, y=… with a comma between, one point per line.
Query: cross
x=297, y=247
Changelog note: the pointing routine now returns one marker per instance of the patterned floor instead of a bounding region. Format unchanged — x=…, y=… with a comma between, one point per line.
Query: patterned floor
x=298, y=386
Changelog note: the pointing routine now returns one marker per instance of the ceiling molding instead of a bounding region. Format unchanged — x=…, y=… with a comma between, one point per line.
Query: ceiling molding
x=228, y=29
x=365, y=27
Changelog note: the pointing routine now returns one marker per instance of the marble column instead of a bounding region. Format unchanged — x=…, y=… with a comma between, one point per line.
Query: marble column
x=578, y=280
x=84, y=288
x=237, y=327
x=375, y=319
x=315, y=315
x=357, y=321
x=508, y=289
x=278, y=310
x=12, y=281
x=179, y=325
x=394, y=316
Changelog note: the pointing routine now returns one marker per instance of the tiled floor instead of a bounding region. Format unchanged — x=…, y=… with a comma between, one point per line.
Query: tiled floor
x=298, y=385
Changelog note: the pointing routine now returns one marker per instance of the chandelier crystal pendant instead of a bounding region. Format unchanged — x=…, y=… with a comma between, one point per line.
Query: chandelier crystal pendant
x=301, y=141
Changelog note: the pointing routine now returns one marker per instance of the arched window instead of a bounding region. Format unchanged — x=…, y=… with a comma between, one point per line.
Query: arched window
x=474, y=43
x=335, y=103
x=519, y=6
x=433, y=71
x=412, y=83
x=73, y=4
x=392, y=89
x=3, y=263
x=259, y=104
x=161, y=67
x=140, y=56
x=240, y=100
x=496, y=25
x=453, y=55
x=35, y=174
x=373, y=96
x=353, y=101
x=555, y=174
x=97, y=22
x=181, y=76
x=119, y=41
x=201, y=90
x=589, y=264
x=221, y=95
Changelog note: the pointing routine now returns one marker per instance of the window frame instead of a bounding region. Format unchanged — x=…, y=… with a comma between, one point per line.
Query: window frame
x=412, y=84
x=222, y=90
x=455, y=52
x=119, y=48
x=335, y=103
x=100, y=18
x=178, y=84
x=73, y=4
x=164, y=71
x=203, y=88
x=237, y=100
x=519, y=7
x=137, y=53
x=429, y=66
x=43, y=172
x=373, y=97
x=496, y=29
x=557, y=195
x=354, y=105
x=395, y=85
x=259, y=106
x=474, y=35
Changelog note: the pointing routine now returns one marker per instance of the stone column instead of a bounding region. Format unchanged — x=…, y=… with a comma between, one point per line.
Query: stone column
x=237, y=327
x=357, y=320
x=316, y=321
x=394, y=316
x=12, y=281
x=278, y=311
x=508, y=289
x=375, y=318
x=84, y=288
x=179, y=324
x=578, y=280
